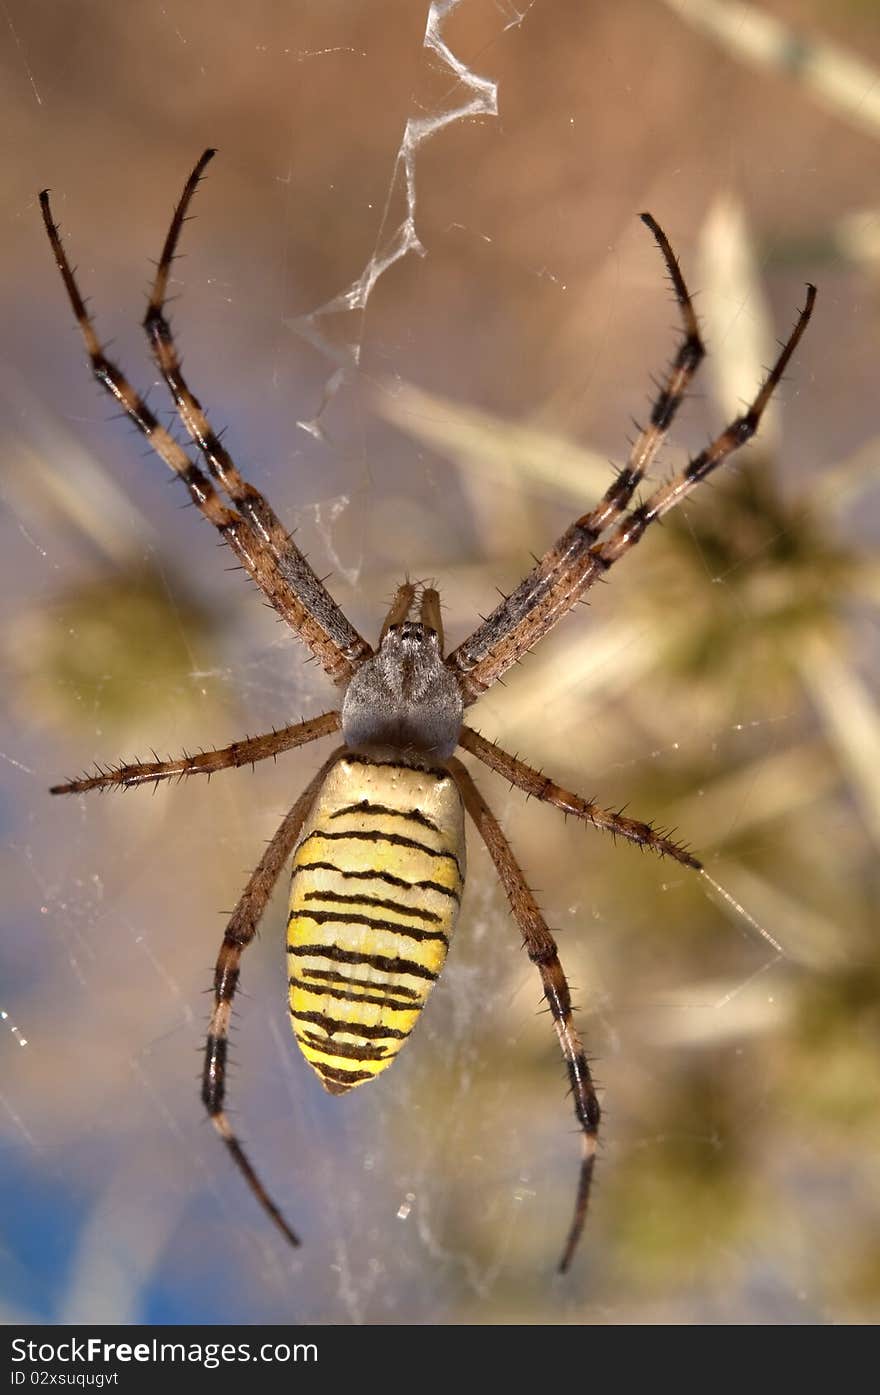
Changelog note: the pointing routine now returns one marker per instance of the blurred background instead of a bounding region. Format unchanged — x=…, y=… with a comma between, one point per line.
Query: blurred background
x=723, y=682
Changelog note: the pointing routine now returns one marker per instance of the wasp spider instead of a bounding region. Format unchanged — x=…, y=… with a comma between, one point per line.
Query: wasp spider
x=377, y=838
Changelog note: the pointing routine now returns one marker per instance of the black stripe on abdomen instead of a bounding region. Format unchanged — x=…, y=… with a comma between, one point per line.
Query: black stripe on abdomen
x=391, y=1004
x=331, y=1025
x=369, y=876
x=383, y=963
x=382, y=903
x=369, y=836
x=365, y=807
x=408, y=932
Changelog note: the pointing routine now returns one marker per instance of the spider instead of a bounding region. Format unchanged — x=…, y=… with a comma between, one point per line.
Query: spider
x=376, y=839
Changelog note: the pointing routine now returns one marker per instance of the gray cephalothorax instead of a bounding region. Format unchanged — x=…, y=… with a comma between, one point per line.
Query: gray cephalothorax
x=404, y=696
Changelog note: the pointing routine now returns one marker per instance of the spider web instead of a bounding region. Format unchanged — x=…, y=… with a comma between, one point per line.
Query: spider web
x=510, y=150
x=472, y=95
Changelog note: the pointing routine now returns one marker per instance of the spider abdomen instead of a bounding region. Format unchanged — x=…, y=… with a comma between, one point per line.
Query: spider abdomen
x=377, y=880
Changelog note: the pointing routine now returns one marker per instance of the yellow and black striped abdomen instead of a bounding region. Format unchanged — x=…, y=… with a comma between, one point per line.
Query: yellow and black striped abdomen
x=377, y=881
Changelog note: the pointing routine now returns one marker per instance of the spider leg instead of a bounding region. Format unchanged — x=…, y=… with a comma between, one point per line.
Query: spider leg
x=669, y=398
x=430, y=613
x=579, y=558
x=246, y=752
x=545, y=789
x=250, y=549
x=330, y=636
x=239, y=934
x=632, y=526
x=541, y=949
x=400, y=607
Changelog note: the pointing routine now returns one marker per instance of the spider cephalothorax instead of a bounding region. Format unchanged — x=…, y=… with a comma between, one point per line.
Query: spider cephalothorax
x=404, y=696
x=376, y=838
